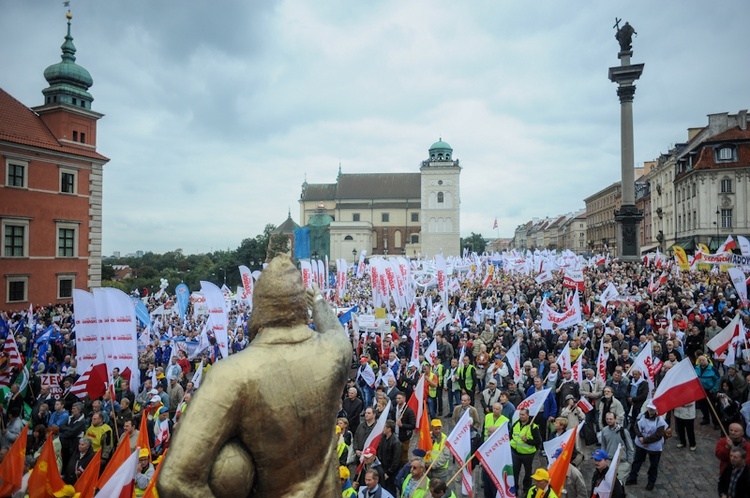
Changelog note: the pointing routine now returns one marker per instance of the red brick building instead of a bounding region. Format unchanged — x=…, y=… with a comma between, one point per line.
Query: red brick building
x=50, y=190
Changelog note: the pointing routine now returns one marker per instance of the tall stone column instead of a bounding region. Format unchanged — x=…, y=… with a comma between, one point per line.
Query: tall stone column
x=628, y=216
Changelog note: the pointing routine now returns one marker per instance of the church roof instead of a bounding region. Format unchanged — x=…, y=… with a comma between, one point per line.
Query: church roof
x=289, y=226
x=366, y=186
x=21, y=125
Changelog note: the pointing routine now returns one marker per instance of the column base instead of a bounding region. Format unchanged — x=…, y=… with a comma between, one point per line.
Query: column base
x=628, y=219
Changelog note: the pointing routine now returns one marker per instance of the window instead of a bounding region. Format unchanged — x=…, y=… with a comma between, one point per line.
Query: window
x=348, y=237
x=355, y=217
x=726, y=218
x=695, y=189
x=440, y=197
x=14, y=239
x=726, y=154
x=415, y=217
x=695, y=219
x=67, y=182
x=16, y=289
x=65, y=284
x=66, y=241
x=16, y=175
x=385, y=217
x=415, y=238
x=83, y=138
x=726, y=186
x=75, y=136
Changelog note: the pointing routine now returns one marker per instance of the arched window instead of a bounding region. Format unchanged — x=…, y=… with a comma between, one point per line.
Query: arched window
x=397, y=238
x=348, y=237
x=440, y=197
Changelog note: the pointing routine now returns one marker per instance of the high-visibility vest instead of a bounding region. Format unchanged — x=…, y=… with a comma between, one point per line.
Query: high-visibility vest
x=437, y=448
x=465, y=374
x=419, y=492
x=341, y=448
x=349, y=493
x=489, y=421
x=431, y=391
x=538, y=493
x=519, y=444
x=439, y=372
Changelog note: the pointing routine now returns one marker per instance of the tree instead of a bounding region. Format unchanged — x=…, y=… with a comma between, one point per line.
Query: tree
x=279, y=244
x=475, y=242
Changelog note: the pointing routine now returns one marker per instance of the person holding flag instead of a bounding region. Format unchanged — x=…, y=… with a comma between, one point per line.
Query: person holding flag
x=602, y=473
x=439, y=457
x=650, y=429
x=525, y=440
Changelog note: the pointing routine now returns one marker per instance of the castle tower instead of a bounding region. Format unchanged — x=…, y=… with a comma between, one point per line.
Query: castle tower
x=441, y=202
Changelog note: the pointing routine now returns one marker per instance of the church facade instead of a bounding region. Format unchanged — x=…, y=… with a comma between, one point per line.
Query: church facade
x=411, y=214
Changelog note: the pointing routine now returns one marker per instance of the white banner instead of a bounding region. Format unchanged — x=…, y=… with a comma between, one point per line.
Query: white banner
x=217, y=315
x=247, y=284
x=87, y=337
x=117, y=332
x=740, y=283
x=497, y=460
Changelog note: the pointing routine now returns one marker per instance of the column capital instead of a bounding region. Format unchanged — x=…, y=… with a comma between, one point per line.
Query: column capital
x=626, y=93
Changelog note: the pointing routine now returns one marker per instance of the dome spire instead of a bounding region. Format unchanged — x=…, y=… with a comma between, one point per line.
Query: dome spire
x=68, y=81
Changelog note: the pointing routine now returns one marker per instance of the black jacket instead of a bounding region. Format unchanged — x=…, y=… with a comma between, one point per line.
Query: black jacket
x=408, y=423
x=75, y=462
x=743, y=484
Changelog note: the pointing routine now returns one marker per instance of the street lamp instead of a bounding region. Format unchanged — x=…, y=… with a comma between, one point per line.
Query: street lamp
x=354, y=255
x=717, y=227
x=225, y=275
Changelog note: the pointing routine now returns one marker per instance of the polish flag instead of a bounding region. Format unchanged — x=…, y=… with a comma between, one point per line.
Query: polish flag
x=122, y=482
x=679, y=387
x=727, y=246
x=416, y=401
x=535, y=402
x=584, y=405
x=373, y=440
x=720, y=342
x=601, y=363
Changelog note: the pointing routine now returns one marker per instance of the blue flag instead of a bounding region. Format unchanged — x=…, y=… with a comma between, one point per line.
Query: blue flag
x=347, y=316
x=183, y=297
x=3, y=328
x=47, y=334
x=141, y=312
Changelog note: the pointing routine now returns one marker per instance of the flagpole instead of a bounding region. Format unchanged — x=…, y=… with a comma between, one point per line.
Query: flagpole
x=711, y=405
x=468, y=460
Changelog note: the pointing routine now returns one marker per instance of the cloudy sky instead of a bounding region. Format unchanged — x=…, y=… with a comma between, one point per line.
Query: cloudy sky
x=216, y=111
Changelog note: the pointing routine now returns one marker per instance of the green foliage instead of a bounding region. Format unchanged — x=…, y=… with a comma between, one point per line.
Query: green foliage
x=475, y=242
x=191, y=269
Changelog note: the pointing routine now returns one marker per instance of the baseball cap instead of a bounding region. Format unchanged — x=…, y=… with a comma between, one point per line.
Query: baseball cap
x=540, y=475
x=600, y=455
x=153, y=392
x=651, y=406
x=368, y=453
x=155, y=399
x=436, y=423
x=492, y=381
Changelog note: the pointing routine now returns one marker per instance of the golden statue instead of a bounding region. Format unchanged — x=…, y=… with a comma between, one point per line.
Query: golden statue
x=262, y=423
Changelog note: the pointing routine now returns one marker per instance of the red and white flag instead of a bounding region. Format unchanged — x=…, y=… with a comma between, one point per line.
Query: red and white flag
x=373, y=440
x=563, y=359
x=248, y=285
x=680, y=386
x=720, y=342
x=10, y=349
x=584, y=405
x=161, y=432
x=513, y=359
x=93, y=381
x=459, y=443
x=610, y=294
x=577, y=370
x=416, y=401
x=494, y=225
x=535, y=402
x=644, y=363
x=740, y=283
x=497, y=461
x=122, y=482
x=601, y=363
x=727, y=246
x=431, y=353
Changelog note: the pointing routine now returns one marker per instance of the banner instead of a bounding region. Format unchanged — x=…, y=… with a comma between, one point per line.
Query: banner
x=247, y=284
x=740, y=283
x=52, y=381
x=573, y=279
x=497, y=461
x=183, y=297
x=86, y=328
x=569, y=318
x=306, y=269
x=117, y=331
x=199, y=303
x=681, y=257
x=217, y=315
x=141, y=312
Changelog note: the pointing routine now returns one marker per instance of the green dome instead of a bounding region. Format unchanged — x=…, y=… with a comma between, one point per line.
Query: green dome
x=440, y=145
x=440, y=151
x=68, y=82
x=68, y=72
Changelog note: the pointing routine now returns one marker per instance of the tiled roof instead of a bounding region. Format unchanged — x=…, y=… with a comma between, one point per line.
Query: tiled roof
x=21, y=125
x=366, y=186
x=289, y=226
x=379, y=186
x=707, y=158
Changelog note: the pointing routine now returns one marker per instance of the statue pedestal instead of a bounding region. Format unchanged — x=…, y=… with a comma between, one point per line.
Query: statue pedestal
x=628, y=220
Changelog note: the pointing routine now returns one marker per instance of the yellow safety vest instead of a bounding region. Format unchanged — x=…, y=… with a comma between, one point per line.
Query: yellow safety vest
x=437, y=448
x=489, y=421
x=419, y=492
x=432, y=391
x=349, y=493
x=439, y=372
x=519, y=444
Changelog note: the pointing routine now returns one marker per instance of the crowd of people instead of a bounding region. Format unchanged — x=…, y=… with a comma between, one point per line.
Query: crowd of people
x=470, y=373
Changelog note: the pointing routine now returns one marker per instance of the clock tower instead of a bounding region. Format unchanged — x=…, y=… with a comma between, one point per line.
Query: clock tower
x=441, y=202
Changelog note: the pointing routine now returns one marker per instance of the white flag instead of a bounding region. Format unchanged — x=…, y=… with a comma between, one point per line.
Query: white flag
x=497, y=461
x=604, y=489
x=459, y=443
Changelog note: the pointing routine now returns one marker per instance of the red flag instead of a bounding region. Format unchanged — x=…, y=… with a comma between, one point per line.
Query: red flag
x=93, y=381
x=86, y=483
x=45, y=480
x=720, y=342
x=425, y=439
x=143, y=431
x=122, y=482
x=494, y=227
x=680, y=386
x=558, y=471
x=416, y=401
x=373, y=440
x=121, y=454
x=585, y=406
x=11, y=469
x=150, y=491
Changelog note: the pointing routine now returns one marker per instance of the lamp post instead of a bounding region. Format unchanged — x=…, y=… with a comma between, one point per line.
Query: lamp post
x=718, y=242
x=225, y=275
x=354, y=256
